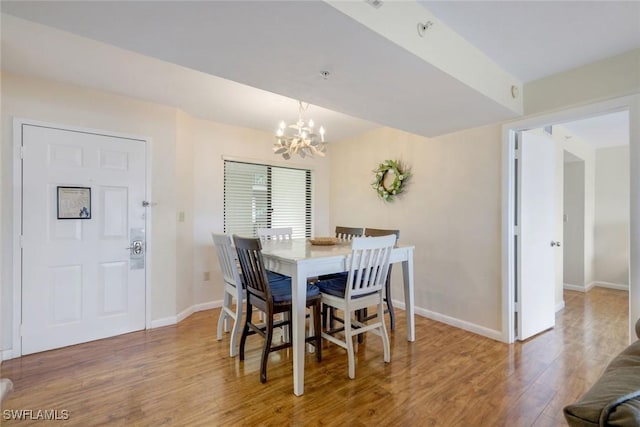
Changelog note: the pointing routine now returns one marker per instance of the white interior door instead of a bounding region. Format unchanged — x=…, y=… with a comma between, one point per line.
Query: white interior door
x=79, y=280
x=535, y=293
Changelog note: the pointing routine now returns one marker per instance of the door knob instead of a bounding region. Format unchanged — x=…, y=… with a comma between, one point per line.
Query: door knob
x=556, y=243
x=136, y=247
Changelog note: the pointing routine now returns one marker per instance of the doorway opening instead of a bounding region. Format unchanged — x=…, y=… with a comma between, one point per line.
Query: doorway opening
x=593, y=221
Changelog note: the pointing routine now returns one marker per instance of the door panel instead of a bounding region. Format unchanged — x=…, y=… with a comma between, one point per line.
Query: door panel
x=536, y=218
x=78, y=281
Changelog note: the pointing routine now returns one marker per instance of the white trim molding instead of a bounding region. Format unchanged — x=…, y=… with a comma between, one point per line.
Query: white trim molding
x=609, y=285
x=630, y=103
x=452, y=321
x=173, y=320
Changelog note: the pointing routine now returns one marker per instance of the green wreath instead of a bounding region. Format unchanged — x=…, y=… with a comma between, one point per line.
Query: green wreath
x=389, y=191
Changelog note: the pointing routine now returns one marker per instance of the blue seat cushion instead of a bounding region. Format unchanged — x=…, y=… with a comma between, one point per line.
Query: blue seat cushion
x=336, y=286
x=272, y=276
x=343, y=275
x=281, y=290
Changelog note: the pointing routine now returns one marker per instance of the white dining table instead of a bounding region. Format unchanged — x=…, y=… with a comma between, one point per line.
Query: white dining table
x=301, y=260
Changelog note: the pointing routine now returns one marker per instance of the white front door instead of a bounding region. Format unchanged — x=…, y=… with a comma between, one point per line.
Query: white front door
x=536, y=247
x=80, y=282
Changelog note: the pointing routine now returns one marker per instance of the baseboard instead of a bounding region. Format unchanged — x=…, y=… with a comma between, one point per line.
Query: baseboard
x=451, y=321
x=578, y=288
x=559, y=306
x=591, y=285
x=609, y=285
x=172, y=320
x=7, y=354
x=165, y=321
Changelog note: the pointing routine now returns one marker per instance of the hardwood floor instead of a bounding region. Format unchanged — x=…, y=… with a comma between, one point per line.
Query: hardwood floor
x=181, y=376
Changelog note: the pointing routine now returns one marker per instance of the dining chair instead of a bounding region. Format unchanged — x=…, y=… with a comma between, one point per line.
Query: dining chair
x=363, y=287
x=348, y=233
x=232, y=289
x=281, y=233
x=272, y=297
x=375, y=232
x=344, y=233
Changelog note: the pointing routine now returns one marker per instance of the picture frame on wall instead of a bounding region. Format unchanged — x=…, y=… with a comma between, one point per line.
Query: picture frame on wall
x=74, y=202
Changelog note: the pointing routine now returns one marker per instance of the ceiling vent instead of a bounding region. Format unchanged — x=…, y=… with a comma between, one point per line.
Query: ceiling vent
x=375, y=3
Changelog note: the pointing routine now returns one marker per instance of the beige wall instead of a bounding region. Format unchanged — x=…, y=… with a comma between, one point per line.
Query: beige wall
x=612, y=77
x=612, y=216
x=450, y=212
x=78, y=107
x=574, y=228
x=184, y=214
x=211, y=142
x=186, y=177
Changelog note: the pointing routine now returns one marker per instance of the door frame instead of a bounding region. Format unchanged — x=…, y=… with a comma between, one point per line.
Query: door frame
x=628, y=103
x=17, y=184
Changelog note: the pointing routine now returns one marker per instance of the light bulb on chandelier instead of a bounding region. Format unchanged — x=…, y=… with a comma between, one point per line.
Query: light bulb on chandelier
x=302, y=139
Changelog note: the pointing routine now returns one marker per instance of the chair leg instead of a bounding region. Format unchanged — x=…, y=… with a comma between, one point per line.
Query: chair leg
x=317, y=330
x=325, y=316
x=349, y=341
x=223, y=320
x=361, y=316
x=245, y=330
x=267, y=345
x=233, y=345
x=392, y=315
x=383, y=333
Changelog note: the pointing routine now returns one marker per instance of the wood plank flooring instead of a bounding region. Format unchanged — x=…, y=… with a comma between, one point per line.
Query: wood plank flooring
x=181, y=376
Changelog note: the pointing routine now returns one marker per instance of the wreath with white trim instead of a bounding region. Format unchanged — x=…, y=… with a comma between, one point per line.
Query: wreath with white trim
x=383, y=173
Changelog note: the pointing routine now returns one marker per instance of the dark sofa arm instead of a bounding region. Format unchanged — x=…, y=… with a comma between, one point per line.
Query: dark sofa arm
x=614, y=400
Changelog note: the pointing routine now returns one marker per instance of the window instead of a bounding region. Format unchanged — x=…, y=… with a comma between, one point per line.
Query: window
x=263, y=196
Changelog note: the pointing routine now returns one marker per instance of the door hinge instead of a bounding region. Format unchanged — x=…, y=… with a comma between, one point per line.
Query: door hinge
x=516, y=307
x=21, y=329
x=516, y=230
x=21, y=241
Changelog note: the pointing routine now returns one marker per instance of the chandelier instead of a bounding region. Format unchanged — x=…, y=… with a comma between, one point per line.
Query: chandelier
x=299, y=138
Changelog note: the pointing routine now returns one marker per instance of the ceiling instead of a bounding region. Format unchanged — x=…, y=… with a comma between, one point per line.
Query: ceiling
x=246, y=62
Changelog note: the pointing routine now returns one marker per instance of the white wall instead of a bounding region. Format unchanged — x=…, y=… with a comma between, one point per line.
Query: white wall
x=450, y=212
x=612, y=216
x=574, y=227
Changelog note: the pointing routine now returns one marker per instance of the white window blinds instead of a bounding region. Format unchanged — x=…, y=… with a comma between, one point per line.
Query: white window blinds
x=263, y=196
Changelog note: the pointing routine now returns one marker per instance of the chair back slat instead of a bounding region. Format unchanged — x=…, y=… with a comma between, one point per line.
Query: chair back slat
x=369, y=264
x=227, y=258
x=348, y=233
x=252, y=265
x=281, y=233
x=376, y=232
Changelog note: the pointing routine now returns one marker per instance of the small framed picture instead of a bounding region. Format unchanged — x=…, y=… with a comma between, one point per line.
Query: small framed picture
x=74, y=202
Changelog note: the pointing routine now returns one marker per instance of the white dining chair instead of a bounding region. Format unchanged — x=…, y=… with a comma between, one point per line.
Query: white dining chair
x=232, y=290
x=363, y=287
x=280, y=233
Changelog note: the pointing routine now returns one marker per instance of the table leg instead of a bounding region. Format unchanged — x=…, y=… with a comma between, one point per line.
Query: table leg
x=299, y=294
x=407, y=275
